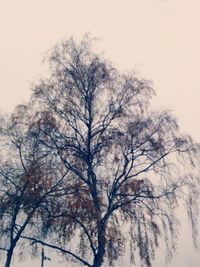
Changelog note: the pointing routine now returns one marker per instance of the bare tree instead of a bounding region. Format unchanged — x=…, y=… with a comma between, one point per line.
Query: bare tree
x=27, y=183
x=130, y=165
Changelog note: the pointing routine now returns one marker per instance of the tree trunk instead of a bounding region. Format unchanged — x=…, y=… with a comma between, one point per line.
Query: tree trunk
x=98, y=259
x=9, y=257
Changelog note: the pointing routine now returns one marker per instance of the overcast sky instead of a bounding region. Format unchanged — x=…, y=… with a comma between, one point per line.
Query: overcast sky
x=158, y=39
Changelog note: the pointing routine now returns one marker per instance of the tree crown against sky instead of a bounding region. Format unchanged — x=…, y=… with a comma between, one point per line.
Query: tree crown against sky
x=124, y=166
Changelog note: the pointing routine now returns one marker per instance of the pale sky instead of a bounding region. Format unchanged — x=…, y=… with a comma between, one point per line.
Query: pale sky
x=160, y=39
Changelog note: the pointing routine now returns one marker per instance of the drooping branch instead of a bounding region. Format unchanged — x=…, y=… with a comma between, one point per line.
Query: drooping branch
x=58, y=248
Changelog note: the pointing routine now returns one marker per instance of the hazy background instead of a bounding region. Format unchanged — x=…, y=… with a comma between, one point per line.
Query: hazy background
x=159, y=39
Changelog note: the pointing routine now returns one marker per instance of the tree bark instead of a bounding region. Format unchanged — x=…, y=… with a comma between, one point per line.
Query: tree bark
x=9, y=257
x=98, y=260
x=99, y=257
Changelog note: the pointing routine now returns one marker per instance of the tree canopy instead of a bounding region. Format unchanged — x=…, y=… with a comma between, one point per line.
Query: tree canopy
x=90, y=168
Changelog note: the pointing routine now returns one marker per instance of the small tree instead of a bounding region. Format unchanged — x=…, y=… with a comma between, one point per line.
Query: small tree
x=130, y=165
x=26, y=180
